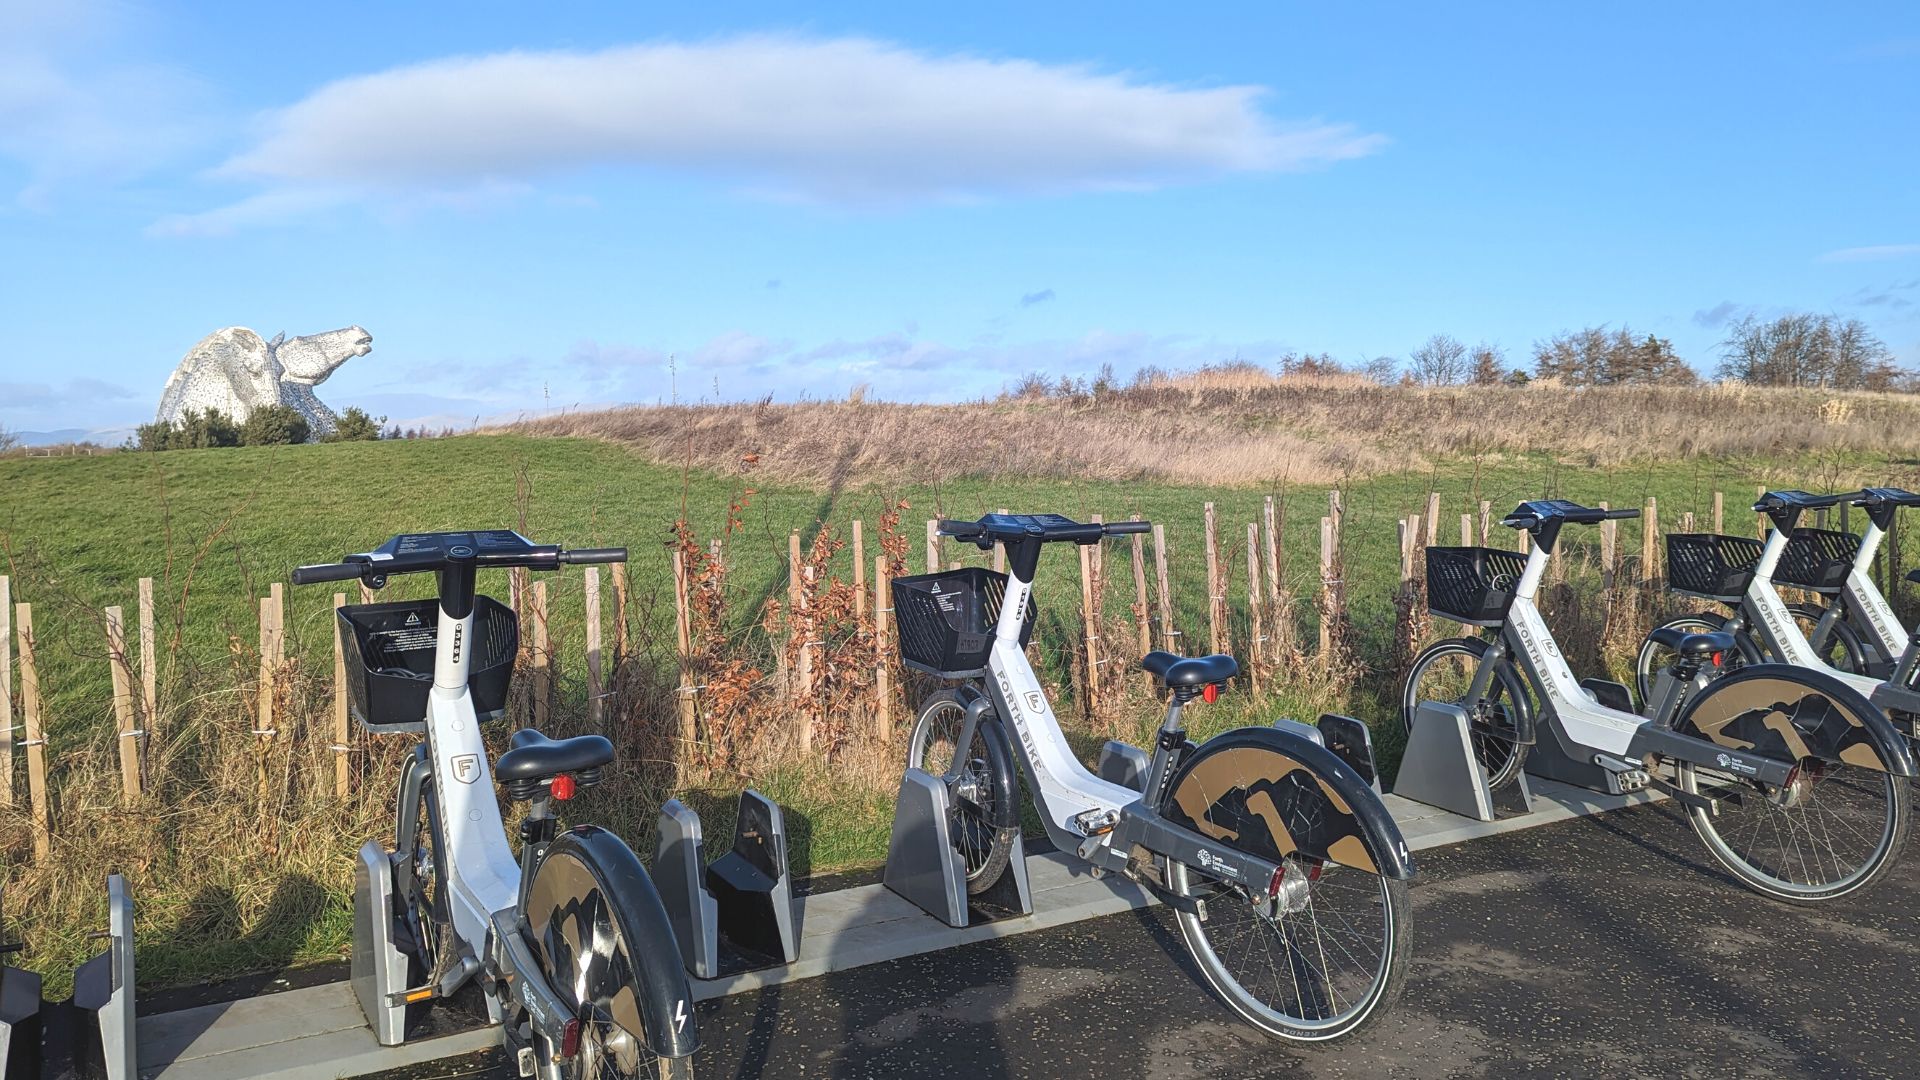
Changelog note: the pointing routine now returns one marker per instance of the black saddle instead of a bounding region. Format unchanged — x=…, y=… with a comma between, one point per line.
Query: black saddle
x=1694, y=645
x=1913, y=575
x=533, y=756
x=1176, y=671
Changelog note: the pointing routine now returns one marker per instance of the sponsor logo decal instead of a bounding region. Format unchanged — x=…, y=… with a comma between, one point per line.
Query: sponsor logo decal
x=1213, y=864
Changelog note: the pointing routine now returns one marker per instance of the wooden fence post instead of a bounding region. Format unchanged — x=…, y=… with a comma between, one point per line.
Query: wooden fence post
x=1327, y=601
x=882, y=606
x=125, y=717
x=1336, y=512
x=1142, y=621
x=1089, y=614
x=683, y=650
x=1761, y=520
x=596, y=684
x=35, y=742
x=342, y=731
x=789, y=655
x=149, y=679
x=1466, y=530
x=1000, y=551
x=1257, y=639
x=6, y=691
x=542, y=657
x=805, y=629
x=622, y=636
x=1433, y=518
x=1167, y=631
x=1686, y=522
x=1486, y=523
x=271, y=628
x=1609, y=550
x=933, y=546
x=1216, y=592
x=1719, y=512
x=1650, y=541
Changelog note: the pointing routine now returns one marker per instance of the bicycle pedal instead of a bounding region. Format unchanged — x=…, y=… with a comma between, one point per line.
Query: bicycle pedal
x=529, y=1066
x=1632, y=780
x=413, y=996
x=1099, y=822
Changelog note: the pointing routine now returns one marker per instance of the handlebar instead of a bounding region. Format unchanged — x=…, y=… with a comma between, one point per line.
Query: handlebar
x=311, y=575
x=594, y=555
x=1622, y=515
x=961, y=530
x=1015, y=528
x=1122, y=528
x=419, y=553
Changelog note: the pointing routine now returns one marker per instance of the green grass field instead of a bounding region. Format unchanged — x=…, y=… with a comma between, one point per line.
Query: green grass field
x=79, y=532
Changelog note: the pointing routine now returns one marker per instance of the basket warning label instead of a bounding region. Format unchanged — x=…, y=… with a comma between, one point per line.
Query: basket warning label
x=409, y=640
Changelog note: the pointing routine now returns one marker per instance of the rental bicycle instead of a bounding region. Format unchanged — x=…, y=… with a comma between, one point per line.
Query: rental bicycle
x=1286, y=874
x=570, y=944
x=1793, y=780
x=1854, y=632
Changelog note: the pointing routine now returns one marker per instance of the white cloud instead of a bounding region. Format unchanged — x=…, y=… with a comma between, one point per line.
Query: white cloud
x=845, y=121
x=1878, y=253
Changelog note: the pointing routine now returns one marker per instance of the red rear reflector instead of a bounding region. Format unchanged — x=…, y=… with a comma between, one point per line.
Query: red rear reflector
x=1273, y=887
x=564, y=787
x=570, y=1039
x=1717, y=657
x=1211, y=693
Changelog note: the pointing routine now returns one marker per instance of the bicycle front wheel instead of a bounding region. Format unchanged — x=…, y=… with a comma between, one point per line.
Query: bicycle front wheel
x=1444, y=672
x=586, y=938
x=981, y=781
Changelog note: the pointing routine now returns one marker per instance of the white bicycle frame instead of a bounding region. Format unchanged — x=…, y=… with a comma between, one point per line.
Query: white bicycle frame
x=1867, y=605
x=483, y=875
x=1774, y=621
x=1583, y=721
x=1063, y=789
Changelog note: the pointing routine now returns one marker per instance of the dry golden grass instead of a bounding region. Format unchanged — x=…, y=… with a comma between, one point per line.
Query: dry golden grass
x=1241, y=425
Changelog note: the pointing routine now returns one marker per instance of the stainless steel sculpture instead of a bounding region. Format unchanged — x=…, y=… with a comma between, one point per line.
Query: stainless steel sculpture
x=235, y=371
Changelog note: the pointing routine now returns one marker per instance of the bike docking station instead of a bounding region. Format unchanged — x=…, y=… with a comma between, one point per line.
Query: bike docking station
x=19, y=1019
x=736, y=914
x=925, y=866
x=103, y=989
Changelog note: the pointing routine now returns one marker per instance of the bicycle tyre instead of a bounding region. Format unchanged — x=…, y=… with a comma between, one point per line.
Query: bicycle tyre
x=1844, y=651
x=423, y=889
x=1502, y=758
x=982, y=829
x=1329, y=977
x=1753, y=819
x=587, y=936
x=1654, y=656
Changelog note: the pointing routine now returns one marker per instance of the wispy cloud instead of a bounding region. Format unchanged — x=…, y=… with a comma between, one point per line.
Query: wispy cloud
x=1718, y=315
x=1893, y=297
x=39, y=395
x=850, y=121
x=79, y=103
x=1032, y=298
x=1876, y=253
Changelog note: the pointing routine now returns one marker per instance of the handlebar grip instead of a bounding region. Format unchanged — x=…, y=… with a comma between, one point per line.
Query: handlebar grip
x=960, y=530
x=594, y=555
x=1622, y=515
x=309, y=575
x=1121, y=528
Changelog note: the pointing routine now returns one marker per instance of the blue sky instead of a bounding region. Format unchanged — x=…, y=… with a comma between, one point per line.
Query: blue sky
x=533, y=205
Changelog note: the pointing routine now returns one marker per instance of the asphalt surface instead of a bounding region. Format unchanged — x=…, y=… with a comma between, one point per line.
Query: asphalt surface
x=1603, y=947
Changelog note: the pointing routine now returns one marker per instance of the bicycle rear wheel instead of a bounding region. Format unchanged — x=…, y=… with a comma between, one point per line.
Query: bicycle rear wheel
x=587, y=947
x=1322, y=950
x=1833, y=828
x=1654, y=657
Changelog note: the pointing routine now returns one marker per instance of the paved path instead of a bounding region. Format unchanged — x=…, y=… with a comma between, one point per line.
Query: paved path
x=1602, y=947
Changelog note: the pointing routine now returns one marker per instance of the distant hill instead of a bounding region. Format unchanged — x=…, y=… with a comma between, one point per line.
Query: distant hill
x=64, y=436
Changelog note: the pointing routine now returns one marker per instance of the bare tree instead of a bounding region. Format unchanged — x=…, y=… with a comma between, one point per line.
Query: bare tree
x=1384, y=370
x=1804, y=349
x=1442, y=361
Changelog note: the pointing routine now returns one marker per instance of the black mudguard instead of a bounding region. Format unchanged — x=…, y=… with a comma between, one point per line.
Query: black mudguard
x=1272, y=793
x=1788, y=713
x=659, y=981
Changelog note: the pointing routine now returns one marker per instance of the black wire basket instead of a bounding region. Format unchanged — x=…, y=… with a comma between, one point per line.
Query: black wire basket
x=1818, y=560
x=947, y=620
x=1711, y=565
x=390, y=651
x=1472, y=585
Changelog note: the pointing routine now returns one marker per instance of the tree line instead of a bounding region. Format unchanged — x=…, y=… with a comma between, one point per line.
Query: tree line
x=1802, y=349
x=268, y=425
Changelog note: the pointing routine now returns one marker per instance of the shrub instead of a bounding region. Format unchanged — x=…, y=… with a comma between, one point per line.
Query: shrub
x=356, y=426
x=194, y=430
x=274, y=425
